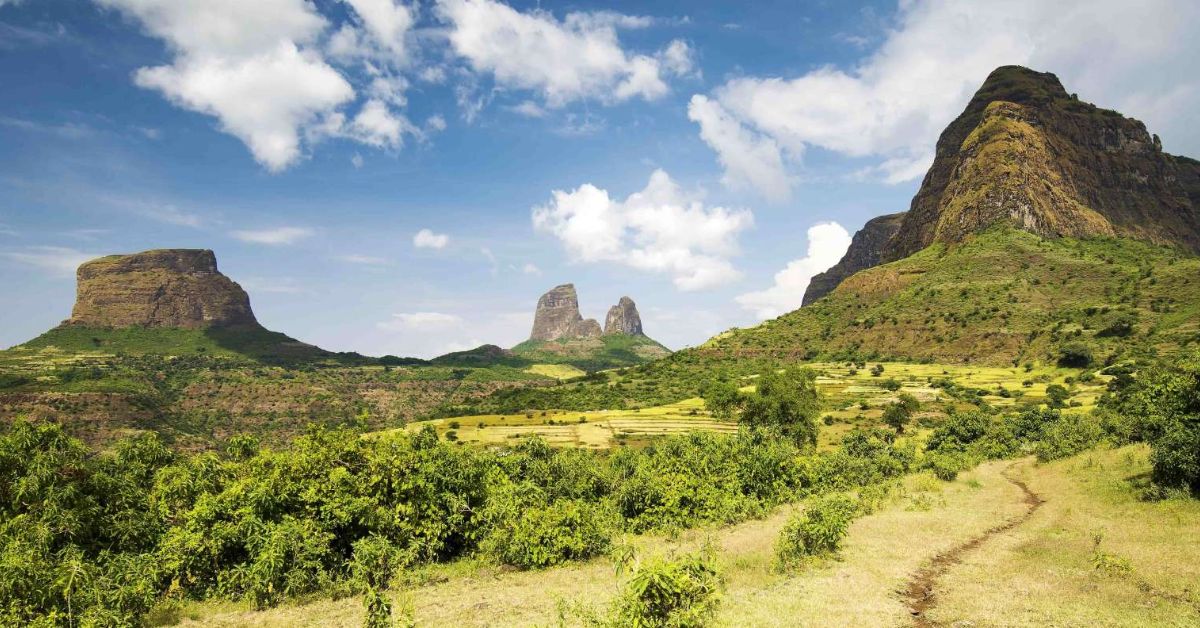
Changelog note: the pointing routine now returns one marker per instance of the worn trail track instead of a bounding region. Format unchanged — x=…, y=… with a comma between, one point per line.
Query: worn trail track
x=919, y=591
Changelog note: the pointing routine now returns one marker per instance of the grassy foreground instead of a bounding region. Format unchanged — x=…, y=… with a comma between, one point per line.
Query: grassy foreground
x=1046, y=571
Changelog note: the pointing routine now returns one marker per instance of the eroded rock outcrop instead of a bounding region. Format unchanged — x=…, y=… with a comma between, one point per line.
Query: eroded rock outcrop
x=557, y=316
x=866, y=250
x=1026, y=152
x=623, y=318
x=179, y=288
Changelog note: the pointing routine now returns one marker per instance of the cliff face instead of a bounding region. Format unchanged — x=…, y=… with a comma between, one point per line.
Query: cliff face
x=623, y=318
x=179, y=288
x=557, y=316
x=866, y=250
x=1026, y=152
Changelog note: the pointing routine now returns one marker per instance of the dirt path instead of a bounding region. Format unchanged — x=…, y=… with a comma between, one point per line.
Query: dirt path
x=919, y=592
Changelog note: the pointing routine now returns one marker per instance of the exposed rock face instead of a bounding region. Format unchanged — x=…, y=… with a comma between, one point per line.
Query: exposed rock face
x=557, y=316
x=1026, y=152
x=162, y=288
x=623, y=318
x=866, y=250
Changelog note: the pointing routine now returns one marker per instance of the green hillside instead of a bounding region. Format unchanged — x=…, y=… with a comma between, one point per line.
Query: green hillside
x=592, y=354
x=1003, y=297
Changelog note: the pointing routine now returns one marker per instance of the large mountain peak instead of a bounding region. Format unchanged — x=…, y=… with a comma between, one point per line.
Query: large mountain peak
x=179, y=288
x=623, y=318
x=557, y=316
x=1026, y=152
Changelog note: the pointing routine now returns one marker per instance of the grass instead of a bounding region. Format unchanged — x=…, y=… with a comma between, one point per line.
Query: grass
x=1039, y=573
x=1003, y=297
x=592, y=354
x=556, y=371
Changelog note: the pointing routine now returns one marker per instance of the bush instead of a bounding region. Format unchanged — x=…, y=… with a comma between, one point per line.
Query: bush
x=527, y=532
x=788, y=402
x=1176, y=457
x=817, y=530
x=897, y=415
x=1069, y=435
x=877, y=370
x=1075, y=355
x=677, y=593
x=890, y=384
x=1057, y=395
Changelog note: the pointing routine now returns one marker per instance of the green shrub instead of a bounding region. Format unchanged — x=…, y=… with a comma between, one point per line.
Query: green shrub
x=679, y=593
x=817, y=530
x=1067, y=436
x=787, y=401
x=527, y=532
x=1175, y=457
x=1075, y=355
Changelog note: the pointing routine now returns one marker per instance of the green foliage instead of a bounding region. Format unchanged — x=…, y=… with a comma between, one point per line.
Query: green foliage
x=1057, y=395
x=896, y=415
x=1164, y=404
x=787, y=401
x=1075, y=355
x=1069, y=435
x=528, y=530
x=817, y=530
x=669, y=593
x=722, y=398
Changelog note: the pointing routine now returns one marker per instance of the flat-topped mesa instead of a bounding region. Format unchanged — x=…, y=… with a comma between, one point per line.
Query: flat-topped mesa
x=866, y=250
x=623, y=318
x=1027, y=153
x=179, y=288
x=557, y=316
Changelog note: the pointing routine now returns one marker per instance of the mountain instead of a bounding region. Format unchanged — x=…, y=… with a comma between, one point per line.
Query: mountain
x=166, y=301
x=561, y=335
x=866, y=250
x=1044, y=223
x=1026, y=152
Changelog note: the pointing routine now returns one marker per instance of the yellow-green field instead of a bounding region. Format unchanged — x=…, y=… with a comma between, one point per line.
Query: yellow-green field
x=557, y=371
x=851, y=400
x=1042, y=572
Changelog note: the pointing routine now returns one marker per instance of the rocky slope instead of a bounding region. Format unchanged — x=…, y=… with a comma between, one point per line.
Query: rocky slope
x=623, y=318
x=1026, y=152
x=162, y=288
x=866, y=250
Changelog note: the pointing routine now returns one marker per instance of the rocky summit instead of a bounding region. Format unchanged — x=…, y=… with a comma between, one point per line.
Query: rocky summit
x=866, y=250
x=1026, y=152
x=623, y=318
x=179, y=288
x=557, y=316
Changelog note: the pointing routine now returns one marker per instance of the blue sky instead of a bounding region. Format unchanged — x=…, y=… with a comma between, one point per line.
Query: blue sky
x=691, y=155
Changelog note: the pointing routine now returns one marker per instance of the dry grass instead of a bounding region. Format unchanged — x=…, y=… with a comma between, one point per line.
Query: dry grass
x=1043, y=573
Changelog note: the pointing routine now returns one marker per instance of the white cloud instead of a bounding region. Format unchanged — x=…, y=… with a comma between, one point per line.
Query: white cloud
x=659, y=229
x=365, y=260
x=678, y=58
x=435, y=123
x=356, y=160
x=1133, y=57
x=248, y=64
x=55, y=260
x=529, y=109
x=827, y=243
x=275, y=237
x=426, y=239
x=377, y=126
x=577, y=58
x=420, y=321
x=387, y=21
x=750, y=159
x=531, y=269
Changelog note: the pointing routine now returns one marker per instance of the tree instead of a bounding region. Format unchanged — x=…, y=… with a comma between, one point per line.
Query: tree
x=1056, y=395
x=722, y=399
x=787, y=401
x=877, y=370
x=897, y=415
x=1075, y=355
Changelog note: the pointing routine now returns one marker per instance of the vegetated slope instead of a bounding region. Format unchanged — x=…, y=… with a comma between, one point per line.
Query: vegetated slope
x=592, y=353
x=1004, y=296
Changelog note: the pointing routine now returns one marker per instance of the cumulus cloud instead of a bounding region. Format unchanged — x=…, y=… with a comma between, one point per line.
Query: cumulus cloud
x=420, y=321
x=54, y=260
x=426, y=239
x=274, y=237
x=260, y=69
x=891, y=106
x=579, y=57
x=827, y=243
x=659, y=229
x=750, y=159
